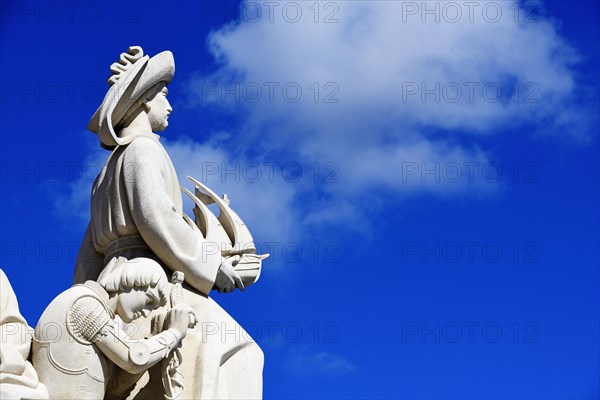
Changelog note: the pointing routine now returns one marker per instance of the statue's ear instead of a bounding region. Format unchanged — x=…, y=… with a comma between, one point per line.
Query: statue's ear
x=146, y=105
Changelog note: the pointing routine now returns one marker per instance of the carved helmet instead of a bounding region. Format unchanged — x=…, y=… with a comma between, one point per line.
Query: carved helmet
x=132, y=76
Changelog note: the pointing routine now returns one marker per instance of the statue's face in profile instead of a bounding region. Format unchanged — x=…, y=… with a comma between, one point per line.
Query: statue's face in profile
x=159, y=110
x=134, y=303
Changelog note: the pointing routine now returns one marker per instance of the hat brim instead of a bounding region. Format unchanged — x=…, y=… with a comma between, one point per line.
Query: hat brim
x=122, y=95
x=115, y=92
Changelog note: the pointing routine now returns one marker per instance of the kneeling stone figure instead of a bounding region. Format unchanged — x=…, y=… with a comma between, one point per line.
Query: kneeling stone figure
x=81, y=348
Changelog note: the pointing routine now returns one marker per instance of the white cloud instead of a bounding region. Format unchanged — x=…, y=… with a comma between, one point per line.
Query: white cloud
x=306, y=360
x=265, y=205
x=70, y=194
x=377, y=62
x=384, y=136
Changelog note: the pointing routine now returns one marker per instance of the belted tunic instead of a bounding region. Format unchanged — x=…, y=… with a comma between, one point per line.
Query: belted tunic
x=136, y=210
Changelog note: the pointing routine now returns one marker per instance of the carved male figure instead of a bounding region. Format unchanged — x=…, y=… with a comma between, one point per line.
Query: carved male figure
x=136, y=211
x=81, y=348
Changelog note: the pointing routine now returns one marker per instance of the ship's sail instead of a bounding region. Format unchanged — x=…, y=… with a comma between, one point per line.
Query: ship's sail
x=227, y=231
x=209, y=225
x=236, y=229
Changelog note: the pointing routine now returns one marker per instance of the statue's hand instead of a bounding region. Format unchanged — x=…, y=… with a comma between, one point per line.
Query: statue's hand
x=227, y=278
x=158, y=322
x=179, y=319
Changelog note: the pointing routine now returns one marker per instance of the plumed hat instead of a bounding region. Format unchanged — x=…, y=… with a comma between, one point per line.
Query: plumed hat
x=132, y=76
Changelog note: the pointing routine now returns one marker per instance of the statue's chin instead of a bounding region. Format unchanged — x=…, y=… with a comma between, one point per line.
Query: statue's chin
x=127, y=319
x=160, y=128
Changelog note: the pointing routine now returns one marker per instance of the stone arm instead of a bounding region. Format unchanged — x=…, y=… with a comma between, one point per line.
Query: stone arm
x=161, y=226
x=135, y=356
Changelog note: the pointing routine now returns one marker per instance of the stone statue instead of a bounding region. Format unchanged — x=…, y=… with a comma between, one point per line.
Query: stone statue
x=136, y=211
x=81, y=347
x=18, y=379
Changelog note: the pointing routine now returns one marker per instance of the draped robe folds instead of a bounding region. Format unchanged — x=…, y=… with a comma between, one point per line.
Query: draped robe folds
x=136, y=211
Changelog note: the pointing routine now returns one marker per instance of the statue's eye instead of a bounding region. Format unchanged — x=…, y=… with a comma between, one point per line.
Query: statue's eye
x=151, y=300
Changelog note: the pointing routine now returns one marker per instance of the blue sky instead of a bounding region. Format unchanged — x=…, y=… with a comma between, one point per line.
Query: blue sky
x=425, y=177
